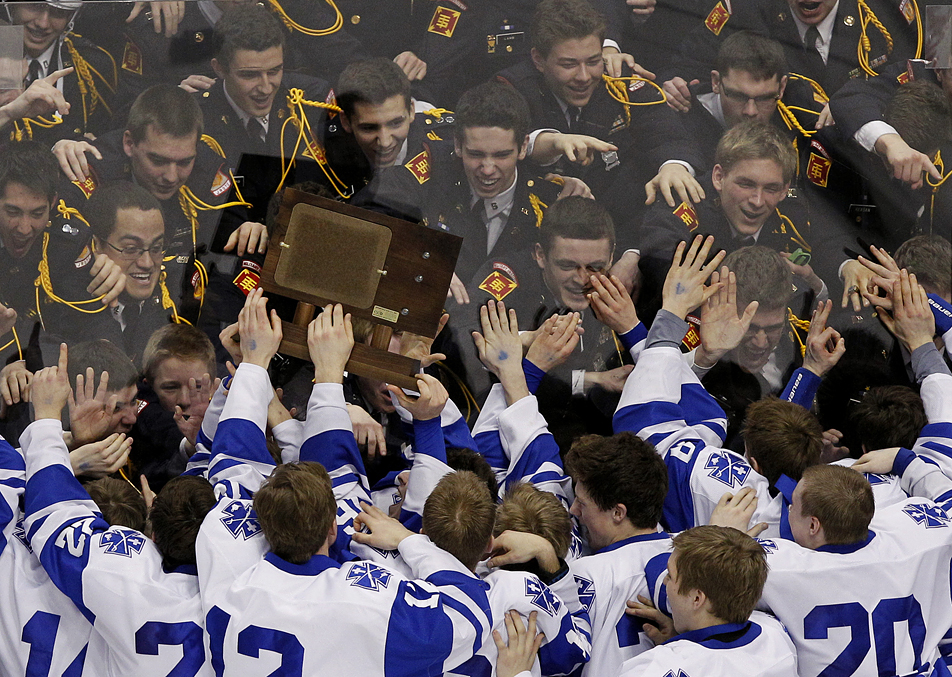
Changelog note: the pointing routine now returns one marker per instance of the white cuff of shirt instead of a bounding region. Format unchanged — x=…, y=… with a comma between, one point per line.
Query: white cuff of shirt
x=686, y=165
x=607, y=42
x=869, y=134
x=578, y=382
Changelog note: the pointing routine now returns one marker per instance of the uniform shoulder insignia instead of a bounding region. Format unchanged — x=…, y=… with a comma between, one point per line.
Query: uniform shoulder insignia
x=331, y=100
x=248, y=278
x=538, y=207
x=89, y=184
x=692, y=339
x=718, y=17
x=222, y=181
x=500, y=282
x=908, y=9
x=903, y=77
x=132, y=58
x=85, y=256
x=444, y=21
x=818, y=170
x=142, y=405
x=432, y=136
x=688, y=216
x=419, y=166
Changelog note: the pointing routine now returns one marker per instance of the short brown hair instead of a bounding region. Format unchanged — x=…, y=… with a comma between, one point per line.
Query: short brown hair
x=922, y=115
x=169, y=109
x=371, y=82
x=556, y=21
x=119, y=502
x=755, y=140
x=246, y=26
x=762, y=276
x=102, y=355
x=889, y=416
x=576, y=218
x=622, y=469
x=177, y=513
x=296, y=509
x=929, y=257
x=727, y=565
x=752, y=53
x=841, y=499
x=459, y=515
x=783, y=437
x=493, y=104
x=177, y=340
x=525, y=508
x=461, y=458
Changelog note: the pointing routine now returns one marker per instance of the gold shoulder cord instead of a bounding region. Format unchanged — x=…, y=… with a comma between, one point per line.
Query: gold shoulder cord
x=15, y=339
x=305, y=135
x=43, y=280
x=787, y=112
x=314, y=32
x=866, y=17
x=87, y=84
x=23, y=128
x=797, y=237
x=940, y=165
x=619, y=92
x=798, y=325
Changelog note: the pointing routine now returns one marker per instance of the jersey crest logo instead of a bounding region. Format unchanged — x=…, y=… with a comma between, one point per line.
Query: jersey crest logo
x=369, y=576
x=929, y=516
x=874, y=478
x=542, y=597
x=818, y=170
x=727, y=469
x=132, y=58
x=688, y=216
x=241, y=520
x=246, y=281
x=19, y=533
x=586, y=592
x=679, y=673
x=419, y=166
x=717, y=18
x=123, y=542
x=497, y=284
x=768, y=545
x=444, y=21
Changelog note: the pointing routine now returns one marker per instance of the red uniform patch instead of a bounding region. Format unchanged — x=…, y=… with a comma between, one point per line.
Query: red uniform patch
x=686, y=213
x=692, y=339
x=444, y=21
x=246, y=281
x=88, y=186
x=499, y=283
x=132, y=58
x=419, y=166
x=717, y=18
x=221, y=183
x=818, y=170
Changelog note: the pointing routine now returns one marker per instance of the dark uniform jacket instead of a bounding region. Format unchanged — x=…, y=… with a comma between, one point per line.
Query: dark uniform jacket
x=773, y=19
x=155, y=440
x=440, y=197
x=646, y=136
x=92, y=103
x=209, y=182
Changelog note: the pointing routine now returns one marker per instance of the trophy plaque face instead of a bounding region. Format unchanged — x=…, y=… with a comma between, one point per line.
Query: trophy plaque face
x=388, y=271
x=347, y=251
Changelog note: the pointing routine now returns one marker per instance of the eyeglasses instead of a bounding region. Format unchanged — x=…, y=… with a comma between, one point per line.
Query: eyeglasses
x=130, y=253
x=762, y=101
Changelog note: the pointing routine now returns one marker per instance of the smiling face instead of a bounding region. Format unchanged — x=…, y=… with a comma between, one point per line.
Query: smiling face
x=253, y=79
x=23, y=216
x=573, y=69
x=749, y=193
x=136, y=233
x=568, y=266
x=811, y=12
x=490, y=156
x=762, y=337
x=170, y=381
x=42, y=24
x=380, y=129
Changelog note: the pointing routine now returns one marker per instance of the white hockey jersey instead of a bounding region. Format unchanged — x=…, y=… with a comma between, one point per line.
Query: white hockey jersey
x=609, y=578
x=760, y=647
x=146, y=621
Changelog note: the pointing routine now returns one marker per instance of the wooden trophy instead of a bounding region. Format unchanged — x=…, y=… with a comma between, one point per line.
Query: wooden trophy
x=391, y=272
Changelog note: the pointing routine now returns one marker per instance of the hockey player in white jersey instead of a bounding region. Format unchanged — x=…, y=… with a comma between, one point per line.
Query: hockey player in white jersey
x=141, y=596
x=715, y=577
x=297, y=607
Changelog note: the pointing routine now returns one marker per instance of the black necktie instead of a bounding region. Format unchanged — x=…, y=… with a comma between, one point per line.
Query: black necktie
x=748, y=241
x=33, y=74
x=815, y=62
x=574, y=114
x=257, y=134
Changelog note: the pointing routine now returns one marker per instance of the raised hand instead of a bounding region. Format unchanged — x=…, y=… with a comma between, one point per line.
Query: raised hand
x=643, y=608
x=824, y=345
x=330, y=339
x=684, y=287
x=50, y=388
x=91, y=408
x=429, y=404
x=612, y=303
x=519, y=653
x=101, y=458
x=15, y=383
x=200, y=393
x=260, y=335
x=228, y=338
x=555, y=340
x=912, y=320
x=498, y=345
x=722, y=329
x=384, y=532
